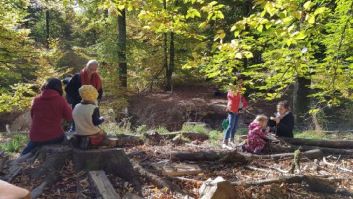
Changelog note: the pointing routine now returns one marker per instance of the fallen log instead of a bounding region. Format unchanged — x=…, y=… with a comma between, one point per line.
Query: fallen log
x=158, y=181
x=102, y=186
x=237, y=157
x=315, y=183
x=223, y=156
x=326, y=150
x=128, y=140
x=338, y=144
x=311, y=154
x=189, y=135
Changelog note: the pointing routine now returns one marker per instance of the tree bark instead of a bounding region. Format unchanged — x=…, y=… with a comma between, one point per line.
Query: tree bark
x=47, y=27
x=122, y=48
x=112, y=160
x=234, y=156
x=340, y=144
x=102, y=186
x=171, y=63
x=165, y=51
x=301, y=103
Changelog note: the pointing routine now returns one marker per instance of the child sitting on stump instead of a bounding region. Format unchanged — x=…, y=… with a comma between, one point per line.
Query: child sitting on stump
x=87, y=119
x=257, y=135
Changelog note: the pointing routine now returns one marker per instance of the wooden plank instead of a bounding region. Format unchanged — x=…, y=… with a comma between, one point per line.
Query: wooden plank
x=102, y=185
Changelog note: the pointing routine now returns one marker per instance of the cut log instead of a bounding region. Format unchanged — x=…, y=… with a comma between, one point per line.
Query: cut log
x=112, y=160
x=339, y=144
x=102, y=186
x=54, y=157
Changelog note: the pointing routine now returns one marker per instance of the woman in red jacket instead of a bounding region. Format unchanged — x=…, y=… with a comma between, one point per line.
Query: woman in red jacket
x=47, y=112
x=236, y=102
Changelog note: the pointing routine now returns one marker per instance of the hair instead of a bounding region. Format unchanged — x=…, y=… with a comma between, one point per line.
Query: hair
x=285, y=104
x=53, y=84
x=88, y=93
x=90, y=63
x=261, y=118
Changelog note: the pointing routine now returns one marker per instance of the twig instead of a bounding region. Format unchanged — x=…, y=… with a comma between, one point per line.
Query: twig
x=335, y=166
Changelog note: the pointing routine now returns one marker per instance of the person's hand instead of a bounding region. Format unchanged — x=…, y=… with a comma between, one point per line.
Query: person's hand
x=277, y=119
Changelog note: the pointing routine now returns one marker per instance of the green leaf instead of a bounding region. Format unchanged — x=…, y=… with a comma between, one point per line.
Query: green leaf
x=260, y=28
x=307, y=5
x=311, y=19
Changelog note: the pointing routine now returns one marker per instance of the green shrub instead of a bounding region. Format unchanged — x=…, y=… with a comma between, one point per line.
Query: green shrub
x=14, y=144
x=195, y=128
x=162, y=130
x=215, y=136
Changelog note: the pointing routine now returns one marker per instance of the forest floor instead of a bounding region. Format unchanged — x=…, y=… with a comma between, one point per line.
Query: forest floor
x=155, y=156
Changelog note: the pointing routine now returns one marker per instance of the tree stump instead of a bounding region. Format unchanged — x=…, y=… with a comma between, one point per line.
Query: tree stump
x=111, y=160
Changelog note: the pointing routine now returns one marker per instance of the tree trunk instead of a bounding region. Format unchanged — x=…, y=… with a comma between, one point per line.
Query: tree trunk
x=171, y=63
x=122, y=48
x=165, y=52
x=47, y=27
x=113, y=161
x=301, y=100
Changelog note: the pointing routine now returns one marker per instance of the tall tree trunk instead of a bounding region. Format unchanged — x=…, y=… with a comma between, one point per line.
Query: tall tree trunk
x=165, y=51
x=47, y=28
x=171, y=63
x=122, y=48
x=301, y=99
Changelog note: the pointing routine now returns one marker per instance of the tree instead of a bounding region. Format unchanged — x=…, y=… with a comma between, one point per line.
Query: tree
x=122, y=48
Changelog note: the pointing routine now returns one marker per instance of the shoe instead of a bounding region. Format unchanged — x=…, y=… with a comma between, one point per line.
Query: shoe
x=227, y=147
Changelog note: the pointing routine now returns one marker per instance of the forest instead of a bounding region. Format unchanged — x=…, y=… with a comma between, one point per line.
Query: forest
x=168, y=73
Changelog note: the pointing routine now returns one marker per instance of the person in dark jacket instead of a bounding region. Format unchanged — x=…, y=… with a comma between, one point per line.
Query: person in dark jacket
x=283, y=123
x=87, y=76
x=47, y=112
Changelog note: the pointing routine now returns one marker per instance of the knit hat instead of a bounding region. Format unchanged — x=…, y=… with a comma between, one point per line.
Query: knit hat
x=88, y=93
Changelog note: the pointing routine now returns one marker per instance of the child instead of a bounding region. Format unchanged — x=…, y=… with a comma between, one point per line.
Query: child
x=236, y=103
x=257, y=135
x=87, y=118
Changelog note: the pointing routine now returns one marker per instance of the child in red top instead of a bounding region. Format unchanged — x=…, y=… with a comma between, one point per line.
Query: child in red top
x=236, y=102
x=257, y=135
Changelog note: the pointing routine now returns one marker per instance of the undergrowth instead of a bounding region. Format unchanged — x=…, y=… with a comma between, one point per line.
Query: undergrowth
x=13, y=143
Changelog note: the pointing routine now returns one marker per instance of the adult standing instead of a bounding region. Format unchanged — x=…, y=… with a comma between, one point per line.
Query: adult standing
x=87, y=76
x=47, y=112
x=283, y=123
x=236, y=103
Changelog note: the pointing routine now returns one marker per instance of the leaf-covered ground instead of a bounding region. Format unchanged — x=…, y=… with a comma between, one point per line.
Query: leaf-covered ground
x=77, y=185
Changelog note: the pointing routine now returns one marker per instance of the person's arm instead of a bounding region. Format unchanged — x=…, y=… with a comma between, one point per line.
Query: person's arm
x=100, y=94
x=96, y=118
x=67, y=111
x=244, y=101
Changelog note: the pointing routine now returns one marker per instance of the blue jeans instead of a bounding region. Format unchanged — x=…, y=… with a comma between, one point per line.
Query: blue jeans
x=232, y=127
